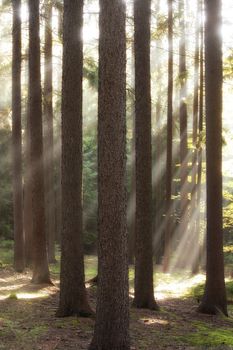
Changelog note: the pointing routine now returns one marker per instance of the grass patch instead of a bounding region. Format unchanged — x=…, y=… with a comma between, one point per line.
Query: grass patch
x=208, y=336
x=198, y=291
x=6, y=253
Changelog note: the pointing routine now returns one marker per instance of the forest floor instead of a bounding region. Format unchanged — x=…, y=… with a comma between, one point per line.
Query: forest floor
x=28, y=322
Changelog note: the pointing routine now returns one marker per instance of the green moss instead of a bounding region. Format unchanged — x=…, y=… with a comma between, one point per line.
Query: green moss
x=205, y=335
x=13, y=296
x=37, y=331
x=198, y=291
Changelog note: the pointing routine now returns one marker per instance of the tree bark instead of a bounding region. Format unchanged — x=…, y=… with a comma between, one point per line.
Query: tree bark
x=40, y=262
x=214, y=299
x=144, y=289
x=48, y=135
x=19, y=249
x=73, y=296
x=112, y=315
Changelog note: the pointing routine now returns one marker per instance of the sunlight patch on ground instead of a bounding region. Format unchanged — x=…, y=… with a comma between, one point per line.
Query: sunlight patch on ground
x=150, y=321
x=173, y=285
x=177, y=287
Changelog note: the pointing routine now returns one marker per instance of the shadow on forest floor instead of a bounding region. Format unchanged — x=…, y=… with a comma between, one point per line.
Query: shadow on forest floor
x=28, y=322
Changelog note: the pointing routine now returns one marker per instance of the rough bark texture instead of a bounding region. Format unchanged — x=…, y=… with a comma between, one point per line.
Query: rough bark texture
x=40, y=262
x=144, y=289
x=19, y=256
x=48, y=135
x=214, y=299
x=168, y=227
x=112, y=314
x=73, y=297
x=132, y=197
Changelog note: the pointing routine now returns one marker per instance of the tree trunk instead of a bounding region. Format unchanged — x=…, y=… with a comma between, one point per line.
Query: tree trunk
x=144, y=289
x=40, y=262
x=214, y=299
x=198, y=143
x=48, y=135
x=132, y=197
x=27, y=196
x=168, y=219
x=19, y=256
x=73, y=296
x=112, y=315
x=183, y=132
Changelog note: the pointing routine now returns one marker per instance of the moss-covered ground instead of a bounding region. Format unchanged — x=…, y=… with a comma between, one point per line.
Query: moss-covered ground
x=28, y=322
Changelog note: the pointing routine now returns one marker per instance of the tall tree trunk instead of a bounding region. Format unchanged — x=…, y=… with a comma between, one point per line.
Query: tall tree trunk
x=168, y=223
x=214, y=299
x=183, y=128
x=27, y=198
x=112, y=315
x=19, y=256
x=144, y=289
x=48, y=137
x=73, y=296
x=196, y=200
x=132, y=198
x=40, y=261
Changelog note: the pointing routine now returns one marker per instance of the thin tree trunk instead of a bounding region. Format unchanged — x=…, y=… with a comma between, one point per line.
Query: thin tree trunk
x=144, y=289
x=73, y=296
x=132, y=199
x=27, y=196
x=197, y=197
x=183, y=129
x=48, y=137
x=112, y=315
x=214, y=299
x=19, y=252
x=168, y=222
x=40, y=261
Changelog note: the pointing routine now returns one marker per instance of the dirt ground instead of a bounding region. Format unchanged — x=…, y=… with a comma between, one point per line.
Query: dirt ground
x=28, y=322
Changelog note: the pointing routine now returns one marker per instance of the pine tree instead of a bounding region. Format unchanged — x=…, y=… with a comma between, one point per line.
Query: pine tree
x=73, y=296
x=168, y=227
x=144, y=289
x=39, y=253
x=19, y=252
x=214, y=299
x=48, y=134
x=112, y=314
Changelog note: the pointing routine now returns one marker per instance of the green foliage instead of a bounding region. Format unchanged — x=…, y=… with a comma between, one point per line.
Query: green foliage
x=90, y=191
x=6, y=252
x=90, y=72
x=228, y=66
x=6, y=210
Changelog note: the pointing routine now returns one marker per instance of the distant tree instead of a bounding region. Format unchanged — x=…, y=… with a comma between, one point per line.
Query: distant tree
x=39, y=256
x=168, y=223
x=197, y=135
x=197, y=261
x=27, y=196
x=48, y=133
x=183, y=115
x=144, y=289
x=112, y=314
x=73, y=296
x=19, y=256
x=214, y=299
